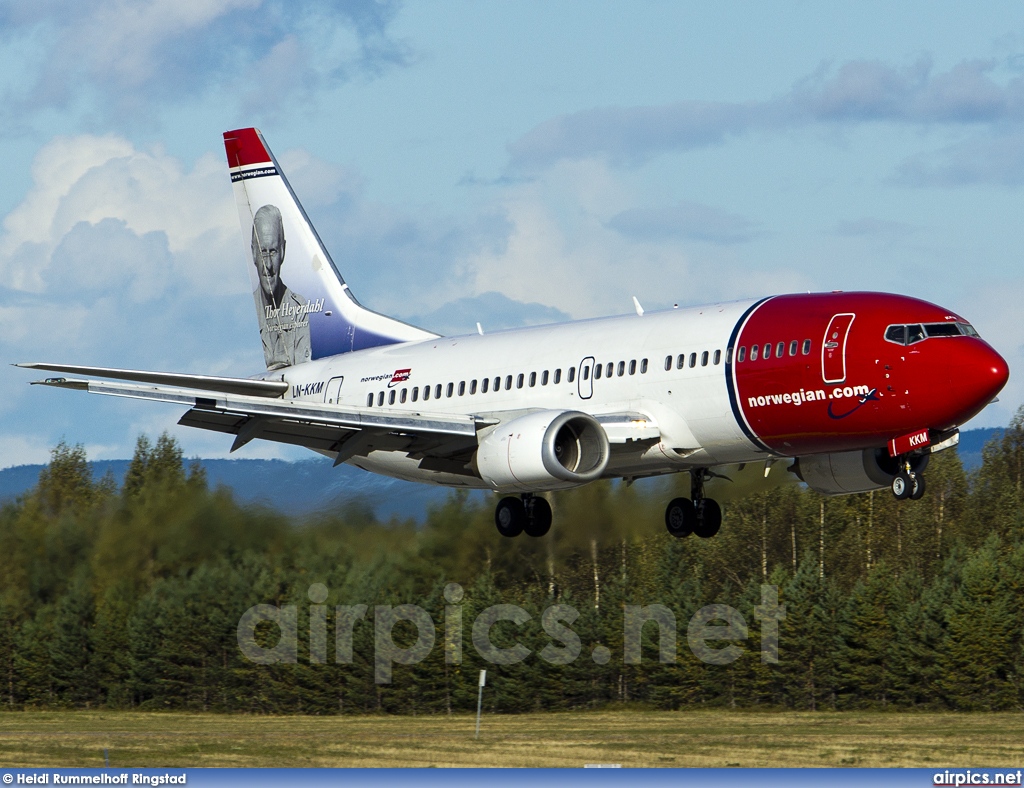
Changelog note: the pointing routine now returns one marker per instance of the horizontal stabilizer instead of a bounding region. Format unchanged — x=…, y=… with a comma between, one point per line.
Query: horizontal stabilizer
x=246, y=386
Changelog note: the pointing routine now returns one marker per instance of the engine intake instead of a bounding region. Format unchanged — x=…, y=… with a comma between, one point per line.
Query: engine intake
x=841, y=473
x=545, y=450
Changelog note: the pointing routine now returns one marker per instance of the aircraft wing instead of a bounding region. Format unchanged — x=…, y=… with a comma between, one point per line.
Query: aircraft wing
x=441, y=442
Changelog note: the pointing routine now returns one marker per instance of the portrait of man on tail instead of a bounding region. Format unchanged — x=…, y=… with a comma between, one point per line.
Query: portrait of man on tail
x=283, y=313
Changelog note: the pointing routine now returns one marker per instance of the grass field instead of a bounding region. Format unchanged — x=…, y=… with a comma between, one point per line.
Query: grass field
x=631, y=738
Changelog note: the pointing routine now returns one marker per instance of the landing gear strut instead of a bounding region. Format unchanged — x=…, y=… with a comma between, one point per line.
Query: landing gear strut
x=907, y=483
x=696, y=514
x=529, y=513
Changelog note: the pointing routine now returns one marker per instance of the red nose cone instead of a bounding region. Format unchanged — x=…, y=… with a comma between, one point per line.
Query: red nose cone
x=977, y=377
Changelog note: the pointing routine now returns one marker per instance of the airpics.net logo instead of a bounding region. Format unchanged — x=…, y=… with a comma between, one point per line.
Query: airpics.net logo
x=969, y=777
x=721, y=625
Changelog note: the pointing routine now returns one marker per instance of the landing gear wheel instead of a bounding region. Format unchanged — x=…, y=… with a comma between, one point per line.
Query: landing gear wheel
x=902, y=485
x=709, y=518
x=538, y=517
x=510, y=516
x=680, y=517
x=918, y=487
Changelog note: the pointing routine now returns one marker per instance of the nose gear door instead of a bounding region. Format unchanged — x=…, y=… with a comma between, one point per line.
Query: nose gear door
x=833, y=348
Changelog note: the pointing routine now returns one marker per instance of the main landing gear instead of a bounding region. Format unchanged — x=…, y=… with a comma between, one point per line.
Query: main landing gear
x=907, y=483
x=696, y=514
x=529, y=513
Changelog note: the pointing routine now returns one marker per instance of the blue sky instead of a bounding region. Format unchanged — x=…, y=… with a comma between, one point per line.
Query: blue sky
x=565, y=155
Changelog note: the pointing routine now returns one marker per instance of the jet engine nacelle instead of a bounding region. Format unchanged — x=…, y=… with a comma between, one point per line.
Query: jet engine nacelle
x=841, y=473
x=545, y=450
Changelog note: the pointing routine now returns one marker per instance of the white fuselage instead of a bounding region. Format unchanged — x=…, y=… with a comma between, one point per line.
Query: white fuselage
x=690, y=404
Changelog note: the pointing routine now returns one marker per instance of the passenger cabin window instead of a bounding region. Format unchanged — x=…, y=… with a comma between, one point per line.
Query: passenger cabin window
x=598, y=371
x=693, y=360
x=497, y=384
x=544, y=378
x=380, y=399
x=451, y=389
x=632, y=367
x=472, y=387
x=437, y=391
x=462, y=388
x=718, y=357
x=742, y=355
x=415, y=393
x=643, y=366
x=668, y=363
x=792, y=347
x=391, y=397
x=484, y=384
x=704, y=359
x=426, y=393
x=570, y=375
x=558, y=377
x=681, y=361
x=608, y=370
x=806, y=348
x=620, y=370
x=780, y=350
x=404, y=396
x=508, y=383
x=754, y=351
x=533, y=379
x=767, y=352
x=369, y=400
x=519, y=381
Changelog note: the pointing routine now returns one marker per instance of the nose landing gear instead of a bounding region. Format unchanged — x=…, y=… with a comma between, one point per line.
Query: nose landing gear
x=696, y=514
x=528, y=513
x=907, y=483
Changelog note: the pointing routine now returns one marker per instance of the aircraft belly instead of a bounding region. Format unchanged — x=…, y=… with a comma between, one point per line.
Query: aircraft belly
x=399, y=465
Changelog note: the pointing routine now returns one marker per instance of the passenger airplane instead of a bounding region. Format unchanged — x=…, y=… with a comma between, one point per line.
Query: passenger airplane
x=847, y=392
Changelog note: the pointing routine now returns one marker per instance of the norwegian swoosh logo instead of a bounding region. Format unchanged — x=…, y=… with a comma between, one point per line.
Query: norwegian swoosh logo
x=871, y=396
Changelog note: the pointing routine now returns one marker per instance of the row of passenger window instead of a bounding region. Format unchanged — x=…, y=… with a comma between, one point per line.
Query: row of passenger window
x=706, y=356
x=611, y=368
x=485, y=385
x=765, y=352
x=401, y=396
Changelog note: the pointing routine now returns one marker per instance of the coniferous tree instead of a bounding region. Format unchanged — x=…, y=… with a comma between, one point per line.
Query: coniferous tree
x=978, y=658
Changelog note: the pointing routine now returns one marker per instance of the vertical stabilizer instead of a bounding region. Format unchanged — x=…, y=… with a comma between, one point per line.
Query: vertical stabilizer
x=305, y=309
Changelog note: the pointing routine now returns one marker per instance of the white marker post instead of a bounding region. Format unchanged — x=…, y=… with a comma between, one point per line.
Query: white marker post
x=480, y=700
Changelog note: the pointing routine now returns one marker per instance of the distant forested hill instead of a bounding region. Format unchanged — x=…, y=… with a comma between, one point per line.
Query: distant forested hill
x=291, y=487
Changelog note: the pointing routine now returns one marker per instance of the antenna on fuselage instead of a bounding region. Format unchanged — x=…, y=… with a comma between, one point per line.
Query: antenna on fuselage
x=639, y=309
x=479, y=329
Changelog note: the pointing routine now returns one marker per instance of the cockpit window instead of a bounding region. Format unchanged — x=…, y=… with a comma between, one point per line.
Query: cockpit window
x=897, y=334
x=908, y=335
x=942, y=329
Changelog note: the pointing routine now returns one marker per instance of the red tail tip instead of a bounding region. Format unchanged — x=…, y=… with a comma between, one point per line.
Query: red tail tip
x=244, y=147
